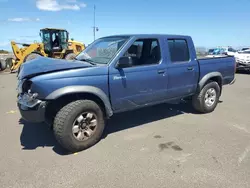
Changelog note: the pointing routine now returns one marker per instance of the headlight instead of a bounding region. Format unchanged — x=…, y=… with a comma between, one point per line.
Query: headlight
x=28, y=100
x=23, y=86
x=30, y=97
x=20, y=86
x=26, y=86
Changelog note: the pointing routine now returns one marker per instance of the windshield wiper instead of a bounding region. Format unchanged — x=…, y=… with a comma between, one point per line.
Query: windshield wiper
x=87, y=60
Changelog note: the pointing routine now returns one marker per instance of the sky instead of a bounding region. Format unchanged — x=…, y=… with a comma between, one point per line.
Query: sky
x=210, y=23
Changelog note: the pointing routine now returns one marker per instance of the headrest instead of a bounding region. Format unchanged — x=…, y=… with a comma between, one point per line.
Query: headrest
x=156, y=52
x=133, y=49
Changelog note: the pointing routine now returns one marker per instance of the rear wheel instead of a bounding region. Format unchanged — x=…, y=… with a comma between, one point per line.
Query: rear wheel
x=79, y=125
x=70, y=56
x=207, y=100
x=31, y=56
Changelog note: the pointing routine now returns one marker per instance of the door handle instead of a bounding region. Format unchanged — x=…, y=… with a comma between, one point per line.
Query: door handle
x=161, y=71
x=190, y=68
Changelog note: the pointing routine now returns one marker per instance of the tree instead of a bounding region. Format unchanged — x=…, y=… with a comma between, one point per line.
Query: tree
x=3, y=52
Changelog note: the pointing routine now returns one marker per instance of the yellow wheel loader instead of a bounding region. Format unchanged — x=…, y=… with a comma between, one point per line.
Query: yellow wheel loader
x=55, y=44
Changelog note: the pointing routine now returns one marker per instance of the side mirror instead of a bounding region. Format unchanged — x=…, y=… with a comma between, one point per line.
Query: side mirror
x=124, y=62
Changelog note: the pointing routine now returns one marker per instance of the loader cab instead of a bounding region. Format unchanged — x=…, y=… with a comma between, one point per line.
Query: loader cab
x=54, y=40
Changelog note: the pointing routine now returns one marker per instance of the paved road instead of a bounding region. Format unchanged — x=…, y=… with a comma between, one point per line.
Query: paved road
x=161, y=146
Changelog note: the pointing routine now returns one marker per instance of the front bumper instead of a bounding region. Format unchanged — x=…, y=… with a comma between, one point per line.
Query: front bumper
x=242, y=66
x=34, y=113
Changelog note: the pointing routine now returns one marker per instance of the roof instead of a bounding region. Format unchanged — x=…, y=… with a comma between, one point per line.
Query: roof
x=149, y=35
x=53, y=29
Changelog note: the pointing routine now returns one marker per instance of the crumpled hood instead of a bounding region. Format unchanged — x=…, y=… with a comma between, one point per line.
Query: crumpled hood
x=43, y=65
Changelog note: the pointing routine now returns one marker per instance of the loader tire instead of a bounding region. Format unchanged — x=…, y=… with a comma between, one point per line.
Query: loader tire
x=70, y=56
x=9, y=62
x=3, y=65
x=31, y=56
x=79, y=125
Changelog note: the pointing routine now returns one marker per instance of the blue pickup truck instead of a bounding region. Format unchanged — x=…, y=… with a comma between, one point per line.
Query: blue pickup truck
x=116, y=74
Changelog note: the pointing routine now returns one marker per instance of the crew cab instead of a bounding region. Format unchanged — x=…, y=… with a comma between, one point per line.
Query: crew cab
x=116, y=74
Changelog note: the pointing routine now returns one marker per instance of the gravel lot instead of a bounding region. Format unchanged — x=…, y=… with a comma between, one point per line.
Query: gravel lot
x=4, y=56
x=161, y=146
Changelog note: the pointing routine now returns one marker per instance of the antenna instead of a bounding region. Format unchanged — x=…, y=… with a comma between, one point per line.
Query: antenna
x=94, y=28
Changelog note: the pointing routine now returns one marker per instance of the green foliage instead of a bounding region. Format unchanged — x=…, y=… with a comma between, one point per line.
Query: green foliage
x=3, y=52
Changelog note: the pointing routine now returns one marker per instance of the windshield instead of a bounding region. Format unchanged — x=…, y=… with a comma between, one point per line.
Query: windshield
x=63, y=36
x=102, y=50
x=245, y=52
x=244, y=49
x=218, y=51
x=231, y=50
x=45, y=35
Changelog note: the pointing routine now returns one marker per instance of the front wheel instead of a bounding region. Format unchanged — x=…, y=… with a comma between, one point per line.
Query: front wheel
x=207, y=100
x=79, y=125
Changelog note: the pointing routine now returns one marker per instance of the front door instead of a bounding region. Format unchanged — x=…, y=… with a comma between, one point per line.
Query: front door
x=143, y=83
x=183, y=71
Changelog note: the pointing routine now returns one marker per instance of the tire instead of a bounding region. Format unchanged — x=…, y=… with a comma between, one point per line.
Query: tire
x=64, y=123
x=9, y=62
x=31, y=56
x=3, y=64
x=70, y=56
x=199, y=100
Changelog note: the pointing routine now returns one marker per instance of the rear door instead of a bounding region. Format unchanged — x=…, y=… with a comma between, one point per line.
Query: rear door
x=183, y=69
x=143, y=83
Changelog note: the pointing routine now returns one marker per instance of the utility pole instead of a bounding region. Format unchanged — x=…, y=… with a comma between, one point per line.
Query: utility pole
x=94, y=28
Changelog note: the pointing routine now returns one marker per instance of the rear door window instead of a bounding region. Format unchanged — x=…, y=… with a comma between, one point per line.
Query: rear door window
x=178, y=49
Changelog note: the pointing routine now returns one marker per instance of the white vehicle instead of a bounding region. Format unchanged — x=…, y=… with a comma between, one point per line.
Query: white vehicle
x=220, y=51
x=228, y=51
x=243, y=60
x=244, y=49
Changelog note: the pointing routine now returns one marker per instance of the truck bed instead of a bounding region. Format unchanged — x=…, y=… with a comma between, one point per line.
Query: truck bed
x=212, y=57
x=225, y=65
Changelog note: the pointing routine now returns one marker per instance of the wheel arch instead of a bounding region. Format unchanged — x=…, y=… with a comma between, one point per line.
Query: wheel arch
x=213, y=76
x=70, y=93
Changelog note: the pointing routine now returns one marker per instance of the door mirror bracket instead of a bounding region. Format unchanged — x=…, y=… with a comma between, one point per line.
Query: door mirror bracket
x=124, y=62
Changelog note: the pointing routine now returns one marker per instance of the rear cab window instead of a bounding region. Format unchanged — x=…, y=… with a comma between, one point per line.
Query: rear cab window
x=178, y=50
